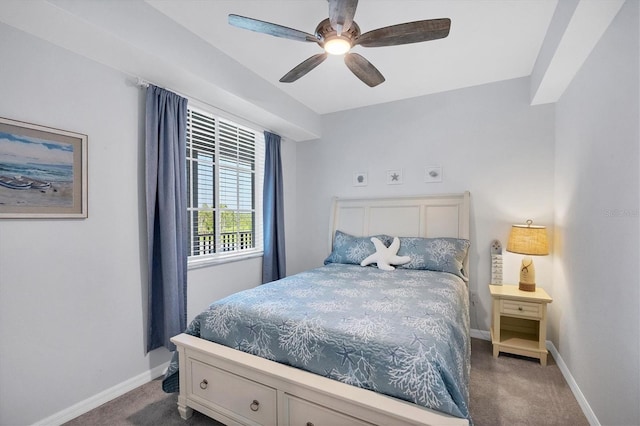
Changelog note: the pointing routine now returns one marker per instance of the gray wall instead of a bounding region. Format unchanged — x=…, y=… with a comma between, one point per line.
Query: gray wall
x=487, y=139
x=72, y=292
x=595, y=317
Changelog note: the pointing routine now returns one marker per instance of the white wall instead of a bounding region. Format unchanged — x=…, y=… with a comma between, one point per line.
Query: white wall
x=73, y=292
x=488, y=141
x=595, y=320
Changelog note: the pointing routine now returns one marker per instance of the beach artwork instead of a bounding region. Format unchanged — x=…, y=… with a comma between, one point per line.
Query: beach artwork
x=41, y=171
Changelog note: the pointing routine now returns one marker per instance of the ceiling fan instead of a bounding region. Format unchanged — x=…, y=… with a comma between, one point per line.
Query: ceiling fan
x=339, y=33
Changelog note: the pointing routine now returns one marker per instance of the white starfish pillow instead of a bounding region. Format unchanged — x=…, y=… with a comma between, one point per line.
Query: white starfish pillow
x=386, y=256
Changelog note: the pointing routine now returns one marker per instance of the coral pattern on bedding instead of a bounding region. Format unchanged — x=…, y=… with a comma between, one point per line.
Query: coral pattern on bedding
x=435, y=254
x=403, y=333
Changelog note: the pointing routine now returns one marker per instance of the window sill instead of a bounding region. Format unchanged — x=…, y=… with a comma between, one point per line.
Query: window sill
x=219, y=260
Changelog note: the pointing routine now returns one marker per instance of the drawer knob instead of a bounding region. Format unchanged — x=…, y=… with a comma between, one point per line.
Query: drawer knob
x=309, y=424
x=255, y=405
x=520, y=308
x=204, y=384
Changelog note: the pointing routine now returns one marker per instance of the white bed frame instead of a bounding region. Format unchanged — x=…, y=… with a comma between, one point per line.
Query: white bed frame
x=237, y=388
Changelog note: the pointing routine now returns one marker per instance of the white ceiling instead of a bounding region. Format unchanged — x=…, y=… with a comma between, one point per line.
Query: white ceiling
x=187, y=46
x=490, y=40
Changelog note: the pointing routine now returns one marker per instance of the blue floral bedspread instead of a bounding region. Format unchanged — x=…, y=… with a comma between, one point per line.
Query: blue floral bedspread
x=403, y=333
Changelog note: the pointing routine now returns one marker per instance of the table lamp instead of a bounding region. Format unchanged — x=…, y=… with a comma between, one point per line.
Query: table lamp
x=529, y=240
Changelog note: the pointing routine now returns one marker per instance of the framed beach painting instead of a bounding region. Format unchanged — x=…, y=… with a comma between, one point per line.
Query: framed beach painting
x=43, y=172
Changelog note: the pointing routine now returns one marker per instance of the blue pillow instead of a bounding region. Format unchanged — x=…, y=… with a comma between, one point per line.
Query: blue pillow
x=435, y=254
x=353, y=250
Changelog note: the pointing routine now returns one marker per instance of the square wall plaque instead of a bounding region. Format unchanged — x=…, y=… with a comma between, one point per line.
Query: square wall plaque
x=360, y=179
x=394, y=177
x=433, y=174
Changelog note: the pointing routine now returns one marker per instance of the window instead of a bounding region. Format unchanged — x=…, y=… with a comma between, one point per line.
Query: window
x=225, y=163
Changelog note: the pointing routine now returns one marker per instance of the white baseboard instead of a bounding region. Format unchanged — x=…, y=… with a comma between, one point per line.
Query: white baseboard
x=103, y=397
x=480, y=334
x=128, y=385
x=582, y=401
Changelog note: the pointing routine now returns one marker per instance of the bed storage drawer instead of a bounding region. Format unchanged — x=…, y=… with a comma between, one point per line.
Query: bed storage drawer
x=306, y=413
x=245, y=398
x=522, y=309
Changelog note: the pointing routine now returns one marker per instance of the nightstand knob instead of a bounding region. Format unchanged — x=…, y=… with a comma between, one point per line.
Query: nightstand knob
x=203, y=384
x=255, y=405
x=520, y=308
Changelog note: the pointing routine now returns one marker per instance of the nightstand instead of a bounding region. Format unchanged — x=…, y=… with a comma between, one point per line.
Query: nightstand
x=519, y=321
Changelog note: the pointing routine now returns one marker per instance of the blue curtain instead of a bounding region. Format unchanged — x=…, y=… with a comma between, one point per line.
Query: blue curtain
x=273, y=259
x=166, y=190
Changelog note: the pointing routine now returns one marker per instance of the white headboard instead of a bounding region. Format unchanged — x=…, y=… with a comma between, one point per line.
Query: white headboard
x=429, y=216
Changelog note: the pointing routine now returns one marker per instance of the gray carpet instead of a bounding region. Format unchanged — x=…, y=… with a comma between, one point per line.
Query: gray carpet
x=510, y=390
x=513, y=390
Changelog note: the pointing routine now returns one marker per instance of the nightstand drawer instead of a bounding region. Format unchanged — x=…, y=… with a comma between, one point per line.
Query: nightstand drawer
x=521, y=309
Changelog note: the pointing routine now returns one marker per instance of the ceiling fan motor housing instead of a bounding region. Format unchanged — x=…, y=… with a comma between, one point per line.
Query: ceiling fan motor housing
x=324, y=33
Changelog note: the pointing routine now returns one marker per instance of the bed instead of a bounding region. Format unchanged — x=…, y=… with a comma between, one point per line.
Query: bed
x=344, y=344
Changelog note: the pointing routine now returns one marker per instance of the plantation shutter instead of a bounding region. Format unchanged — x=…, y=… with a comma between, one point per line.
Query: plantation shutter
x=225, y=174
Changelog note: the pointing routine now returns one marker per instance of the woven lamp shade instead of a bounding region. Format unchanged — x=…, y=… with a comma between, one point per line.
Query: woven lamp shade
x=531, y=241
x=528, y=239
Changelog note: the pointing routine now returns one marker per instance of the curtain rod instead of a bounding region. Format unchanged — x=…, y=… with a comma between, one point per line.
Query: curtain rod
x=142, y=83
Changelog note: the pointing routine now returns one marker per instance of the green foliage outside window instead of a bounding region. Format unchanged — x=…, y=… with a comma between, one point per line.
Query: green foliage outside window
x=236, y=228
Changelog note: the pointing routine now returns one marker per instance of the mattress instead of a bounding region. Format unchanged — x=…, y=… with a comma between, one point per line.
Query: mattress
x=402, y=333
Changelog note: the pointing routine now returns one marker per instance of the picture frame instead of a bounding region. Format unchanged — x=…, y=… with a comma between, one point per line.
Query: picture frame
x=394, y=177
x=433, y=174
x=360, y=179
x=43, y=172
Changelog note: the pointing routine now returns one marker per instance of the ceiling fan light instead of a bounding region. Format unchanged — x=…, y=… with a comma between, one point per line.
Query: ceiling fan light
x=337, y=45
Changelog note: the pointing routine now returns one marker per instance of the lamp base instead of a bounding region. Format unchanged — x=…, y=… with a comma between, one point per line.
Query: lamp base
x=527, y=275
x=527, y=286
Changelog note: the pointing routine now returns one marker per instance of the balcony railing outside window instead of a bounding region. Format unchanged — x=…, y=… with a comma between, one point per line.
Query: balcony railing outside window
x=229, y=241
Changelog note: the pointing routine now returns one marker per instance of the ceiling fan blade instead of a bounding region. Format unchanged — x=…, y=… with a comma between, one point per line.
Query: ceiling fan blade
x=270, y=28
x=341, y=13
x=303, y=68
x=410, y=32
x=363, y=69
